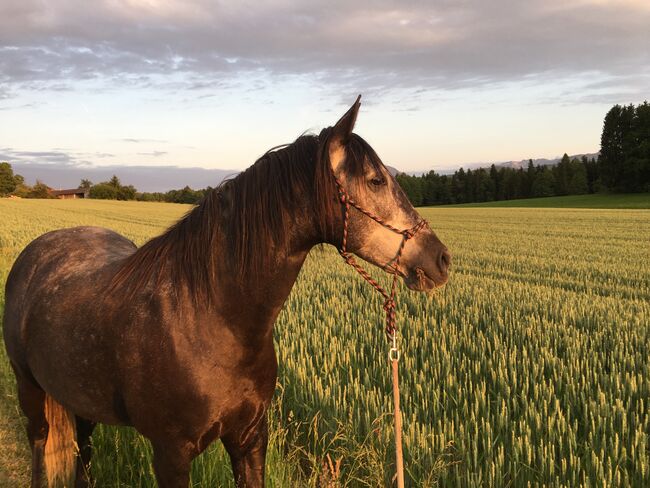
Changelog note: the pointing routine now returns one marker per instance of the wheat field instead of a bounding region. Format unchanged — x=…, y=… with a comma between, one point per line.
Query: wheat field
x=530, y=368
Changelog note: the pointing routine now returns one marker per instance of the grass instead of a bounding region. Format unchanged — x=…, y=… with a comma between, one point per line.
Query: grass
x=618, y=200
x=531, y=368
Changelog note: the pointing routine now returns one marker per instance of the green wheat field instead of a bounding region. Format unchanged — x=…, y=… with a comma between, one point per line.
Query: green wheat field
x=530, y=368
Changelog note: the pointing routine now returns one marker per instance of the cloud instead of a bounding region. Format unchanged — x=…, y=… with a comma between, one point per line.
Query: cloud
x=144, y=178
x=62, y=168
x=142, y=141
x=17, y=107
x=44, y=157
x=365, y=45
x=154, y=154
x=55, y=157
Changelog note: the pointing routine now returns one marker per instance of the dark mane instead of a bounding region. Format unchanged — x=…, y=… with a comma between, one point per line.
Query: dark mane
x=254, y=211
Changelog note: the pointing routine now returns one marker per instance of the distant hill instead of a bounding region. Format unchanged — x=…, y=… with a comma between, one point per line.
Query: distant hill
x=144, y=178
x=539, y=162
x=505, y=164
x=392, y=171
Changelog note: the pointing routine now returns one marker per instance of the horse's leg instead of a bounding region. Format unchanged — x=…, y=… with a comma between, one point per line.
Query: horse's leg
x=171, y=463
x=84, y=431
x=32, y=403
x=248, y=457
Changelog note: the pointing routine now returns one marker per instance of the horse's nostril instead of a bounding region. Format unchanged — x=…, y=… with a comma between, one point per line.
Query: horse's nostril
x=444, y=260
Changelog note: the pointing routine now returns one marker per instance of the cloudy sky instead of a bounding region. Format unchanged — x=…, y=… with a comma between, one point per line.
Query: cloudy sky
x=214, y=84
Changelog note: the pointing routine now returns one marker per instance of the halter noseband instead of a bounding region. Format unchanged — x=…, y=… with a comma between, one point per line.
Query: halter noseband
x=390, y=267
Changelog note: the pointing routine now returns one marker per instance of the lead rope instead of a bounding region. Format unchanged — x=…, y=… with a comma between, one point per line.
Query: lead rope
x=389, y=306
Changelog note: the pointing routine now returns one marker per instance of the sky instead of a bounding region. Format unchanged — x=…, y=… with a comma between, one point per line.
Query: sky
x=214, y=84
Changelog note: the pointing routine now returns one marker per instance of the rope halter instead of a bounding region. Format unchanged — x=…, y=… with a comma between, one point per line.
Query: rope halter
x=390, y=267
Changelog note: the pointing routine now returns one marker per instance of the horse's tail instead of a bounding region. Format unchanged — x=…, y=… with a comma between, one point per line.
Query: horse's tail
x=61, y=447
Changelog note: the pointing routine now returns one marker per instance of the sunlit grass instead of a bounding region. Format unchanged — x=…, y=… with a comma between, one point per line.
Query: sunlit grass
x=532, y=365
x=597, y=200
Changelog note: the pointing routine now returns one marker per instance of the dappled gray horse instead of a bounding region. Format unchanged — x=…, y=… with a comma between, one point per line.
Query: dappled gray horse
x=176, y=338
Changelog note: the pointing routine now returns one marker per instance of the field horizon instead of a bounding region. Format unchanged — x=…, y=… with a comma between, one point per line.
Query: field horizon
x=595, y=201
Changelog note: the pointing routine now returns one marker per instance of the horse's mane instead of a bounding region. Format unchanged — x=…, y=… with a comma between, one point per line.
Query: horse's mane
x=254, y=210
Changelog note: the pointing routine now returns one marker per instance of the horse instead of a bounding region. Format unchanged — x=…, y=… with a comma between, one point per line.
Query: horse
x=175, y=338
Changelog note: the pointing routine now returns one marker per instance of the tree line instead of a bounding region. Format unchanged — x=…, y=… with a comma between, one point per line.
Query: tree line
x=568, y=177
x=14, y=185
x=115, y=190
x=623, y=166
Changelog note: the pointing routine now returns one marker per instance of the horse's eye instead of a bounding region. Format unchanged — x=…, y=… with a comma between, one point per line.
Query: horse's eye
x=378, y=181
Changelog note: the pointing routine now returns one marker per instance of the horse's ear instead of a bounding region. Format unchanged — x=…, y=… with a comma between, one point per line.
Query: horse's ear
x=341, y=134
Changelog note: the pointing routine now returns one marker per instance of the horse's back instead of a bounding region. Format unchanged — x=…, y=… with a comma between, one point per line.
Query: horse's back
x=54, y=274
x=68, y=250
x=64, y=254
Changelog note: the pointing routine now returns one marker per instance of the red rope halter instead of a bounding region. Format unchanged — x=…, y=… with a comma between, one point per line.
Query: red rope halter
x=391, y=267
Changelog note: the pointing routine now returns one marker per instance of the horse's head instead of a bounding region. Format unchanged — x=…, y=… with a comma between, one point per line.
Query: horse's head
x=366, y=182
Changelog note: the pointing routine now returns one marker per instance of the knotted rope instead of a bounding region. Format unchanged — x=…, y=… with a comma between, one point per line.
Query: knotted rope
x=391, y=267
x=389, y=302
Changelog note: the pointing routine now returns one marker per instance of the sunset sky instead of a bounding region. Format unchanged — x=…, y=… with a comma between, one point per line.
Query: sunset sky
x=214, y=84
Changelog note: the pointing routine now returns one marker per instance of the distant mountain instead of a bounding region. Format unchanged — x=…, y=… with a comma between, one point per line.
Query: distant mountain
x=144, y=178
x=392, y=171
x=541, y=161
x=505, y=164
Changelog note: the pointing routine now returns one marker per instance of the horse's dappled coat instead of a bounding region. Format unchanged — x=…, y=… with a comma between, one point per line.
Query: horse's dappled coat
x=176, y=338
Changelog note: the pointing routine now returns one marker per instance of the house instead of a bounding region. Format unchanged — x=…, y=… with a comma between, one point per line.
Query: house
x=70, y=194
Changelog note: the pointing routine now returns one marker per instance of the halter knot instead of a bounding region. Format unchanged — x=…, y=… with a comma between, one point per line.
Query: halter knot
x=389, y=304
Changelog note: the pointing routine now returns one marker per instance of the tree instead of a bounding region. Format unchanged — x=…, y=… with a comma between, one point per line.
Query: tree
x=470, y=186
x=8, y=181
x=103, y=191
x=544, y=183
x=578, y=180
x=591, y=170
x=611, y=147
x=411, y=185
x=39, y=190
x=126, y=192
x=637, y=171
x=624, y=161
x=488, y=188
x=458, y=182
x=111, y=190
x=114, y=182
x=530, y=178
x=22, y=190
x=509, y=184
x=85, y=184
x=562, y=175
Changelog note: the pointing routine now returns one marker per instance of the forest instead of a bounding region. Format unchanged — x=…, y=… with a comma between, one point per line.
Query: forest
x=622, y=167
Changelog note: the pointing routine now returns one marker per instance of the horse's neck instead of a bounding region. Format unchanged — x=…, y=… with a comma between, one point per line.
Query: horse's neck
x=262, y=292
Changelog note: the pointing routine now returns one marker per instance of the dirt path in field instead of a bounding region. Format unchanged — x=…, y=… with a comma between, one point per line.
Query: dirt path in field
x=14, y=450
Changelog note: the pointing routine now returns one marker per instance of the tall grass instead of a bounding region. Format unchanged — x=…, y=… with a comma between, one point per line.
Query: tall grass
x=531, y=368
